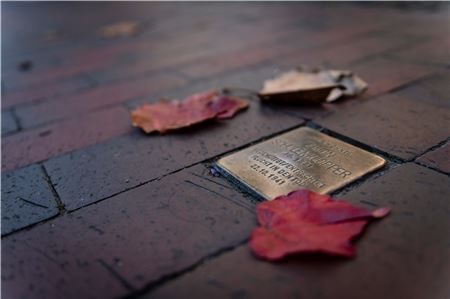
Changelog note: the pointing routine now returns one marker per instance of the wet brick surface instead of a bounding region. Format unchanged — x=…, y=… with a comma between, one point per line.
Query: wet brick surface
x=439, y=158
x=398, y=257
x=391, y=124
x=127, y=242
x=141, y=216
x=26, y=198
x=102, y=170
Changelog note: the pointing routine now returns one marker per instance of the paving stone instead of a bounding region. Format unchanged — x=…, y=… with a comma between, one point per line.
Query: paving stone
x=250, y=80
x=392, y=124
x=400, y=256
x=438, y=158
x=192, y=43
x=150, y=57
x=26, y=198
x=434, y=90
x=67, y=71
x=133, y=239
x=24, y=40
x=239, y=59
x=9, y=124
x=436, y=51
x=102, y=96
x=145, y=236
x=142, y=64
x=44, y=90
x=299, y=40
x=242, y=83
x=201, y=53
x=384, y=74
x=343, y=54
x=40, y=144
x=99, y=171
x=430, y=24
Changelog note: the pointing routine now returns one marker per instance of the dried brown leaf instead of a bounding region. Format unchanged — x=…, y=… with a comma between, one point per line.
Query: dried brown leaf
x=121, y=29
x=305, y=222
x=312, y=87
x=167, y=115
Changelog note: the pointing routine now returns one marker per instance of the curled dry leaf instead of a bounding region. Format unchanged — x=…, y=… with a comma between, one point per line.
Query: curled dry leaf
x=121, y=29
x=304, y=221
x=168, y=115
x=312, y=87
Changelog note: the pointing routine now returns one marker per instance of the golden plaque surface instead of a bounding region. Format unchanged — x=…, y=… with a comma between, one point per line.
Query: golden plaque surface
x=303, y=158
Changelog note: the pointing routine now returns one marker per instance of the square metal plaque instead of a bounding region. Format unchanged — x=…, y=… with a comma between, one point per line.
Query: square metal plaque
x=300, y=159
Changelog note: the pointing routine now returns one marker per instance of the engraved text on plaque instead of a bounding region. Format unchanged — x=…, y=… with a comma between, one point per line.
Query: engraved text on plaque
x=302, y=158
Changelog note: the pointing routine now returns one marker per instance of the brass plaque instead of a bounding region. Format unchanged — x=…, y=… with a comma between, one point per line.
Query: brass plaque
x=300, y=159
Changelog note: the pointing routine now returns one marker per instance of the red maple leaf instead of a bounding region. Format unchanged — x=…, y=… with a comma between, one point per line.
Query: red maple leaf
x=170, y=115
x=304, y=221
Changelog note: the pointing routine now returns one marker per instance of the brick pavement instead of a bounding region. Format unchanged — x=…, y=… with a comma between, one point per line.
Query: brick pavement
x=93, y=208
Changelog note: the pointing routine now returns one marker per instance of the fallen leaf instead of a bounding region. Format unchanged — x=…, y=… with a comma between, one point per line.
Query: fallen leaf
x=305, y=205
x=274, y=244
x=121, y=29
x=227, y=106
x=168, y=115
x=351, y=85
x=304, y=221
x=312, y=87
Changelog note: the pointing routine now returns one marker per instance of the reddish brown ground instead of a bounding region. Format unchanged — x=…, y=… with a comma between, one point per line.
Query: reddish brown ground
x=93, y=208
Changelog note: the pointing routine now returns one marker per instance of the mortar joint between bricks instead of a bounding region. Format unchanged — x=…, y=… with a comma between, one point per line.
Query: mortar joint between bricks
x=16, y=120
x=434, y=147
x=161, y=281
x=60, y=204
x=385, y=155
x=431, y=168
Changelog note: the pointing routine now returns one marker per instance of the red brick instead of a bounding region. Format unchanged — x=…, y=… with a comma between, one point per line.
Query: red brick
x=142, y=65
x=296, y=40
x=115, y=54
x=148, y=56
x=435, y=51
x=438, y=158
x=83, y=102
x=91, y=174
x=233, y=60
x=34, y=78
x=94, y=54
x=434, y=90
x=12, y=74
x=73, y=62
x=253, y=79
x=135, y=238
x=392, y=124
x=28, y=34
x=55, y=139
x=104, y=53
x=401, y=256
x=9, y=124
x=206, y=50
x=342, y=54
x=384, y=74
x=191, y=50
x=26, y=198
x=70, y=257
x=434, y=24
x=44, y=91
